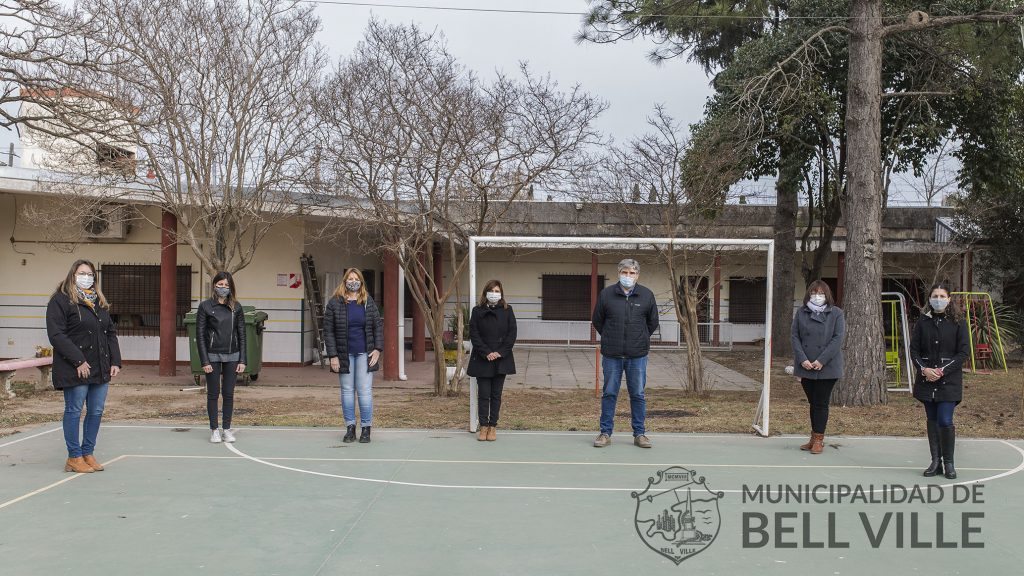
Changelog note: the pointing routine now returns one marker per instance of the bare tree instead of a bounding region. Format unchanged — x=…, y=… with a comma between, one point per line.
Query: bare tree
x=937, y=177
x=201, y=107
x=654, y=162
x=424, y=152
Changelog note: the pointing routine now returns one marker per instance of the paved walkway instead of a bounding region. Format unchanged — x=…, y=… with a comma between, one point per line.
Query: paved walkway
x=538, y=367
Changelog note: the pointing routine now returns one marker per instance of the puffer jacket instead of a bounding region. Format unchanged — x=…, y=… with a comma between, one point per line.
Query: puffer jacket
x=336, y=331
x=625, y=323
x=939, y=342
x=220, y=330
x=80, y=334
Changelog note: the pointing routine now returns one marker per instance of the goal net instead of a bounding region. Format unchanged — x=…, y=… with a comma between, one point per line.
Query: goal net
x=732, y=279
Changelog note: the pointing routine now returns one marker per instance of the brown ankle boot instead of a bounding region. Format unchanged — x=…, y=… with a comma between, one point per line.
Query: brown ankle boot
x=809, y=443
x=817, y=443
x=481, y=434
x=492, y=433
x=92, y=463
x=78, y=465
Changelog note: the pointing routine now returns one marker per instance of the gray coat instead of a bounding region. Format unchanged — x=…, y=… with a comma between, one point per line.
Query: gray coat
x=819, y=337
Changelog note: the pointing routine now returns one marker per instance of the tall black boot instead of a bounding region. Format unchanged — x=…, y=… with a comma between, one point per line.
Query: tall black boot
x=933, y=444
x=364, y=437
x=947, y=440
x=350, y=434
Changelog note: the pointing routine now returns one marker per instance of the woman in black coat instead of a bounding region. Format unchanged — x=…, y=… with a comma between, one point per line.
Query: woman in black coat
x=220, y=341
x=492, y=329
x=86, y=356
x=938, y=348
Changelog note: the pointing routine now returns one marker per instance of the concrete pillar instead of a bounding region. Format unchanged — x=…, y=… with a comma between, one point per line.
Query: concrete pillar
x=593, y=292
x=716, y=337
x=168, y=293
x=391, y=347
x=841, y=278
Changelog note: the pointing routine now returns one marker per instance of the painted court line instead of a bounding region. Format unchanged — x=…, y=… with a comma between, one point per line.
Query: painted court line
x=4, y=445
x=267, y=462
x=54, y=485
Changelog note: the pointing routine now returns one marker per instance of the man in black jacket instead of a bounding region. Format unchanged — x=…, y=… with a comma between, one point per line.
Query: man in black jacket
x=625, y=316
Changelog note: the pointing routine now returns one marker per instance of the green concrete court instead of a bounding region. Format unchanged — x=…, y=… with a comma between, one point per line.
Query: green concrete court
x=299, y=502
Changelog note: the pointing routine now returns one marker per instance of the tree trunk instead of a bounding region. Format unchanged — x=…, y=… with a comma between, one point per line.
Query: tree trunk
x=787, y=188
x=864, y=381
x=694, y=356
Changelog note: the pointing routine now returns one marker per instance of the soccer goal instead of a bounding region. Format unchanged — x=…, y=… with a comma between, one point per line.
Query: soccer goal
x=637, y=246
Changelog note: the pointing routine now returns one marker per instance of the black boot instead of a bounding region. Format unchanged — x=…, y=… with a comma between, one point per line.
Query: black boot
x=933, y=444
x=947, y=440
x=350, y=434
x=364, y=437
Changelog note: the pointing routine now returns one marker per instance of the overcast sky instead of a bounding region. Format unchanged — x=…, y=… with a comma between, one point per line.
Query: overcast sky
x=619, y=74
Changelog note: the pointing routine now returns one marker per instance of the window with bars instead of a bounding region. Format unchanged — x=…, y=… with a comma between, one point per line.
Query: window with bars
x=566, y=296
x=133, y=291
x=747, y=300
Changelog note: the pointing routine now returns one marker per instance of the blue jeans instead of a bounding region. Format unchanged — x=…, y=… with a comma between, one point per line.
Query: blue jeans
x=93, y=397
x=358, y=381
x=941, y=412
x=636, y=381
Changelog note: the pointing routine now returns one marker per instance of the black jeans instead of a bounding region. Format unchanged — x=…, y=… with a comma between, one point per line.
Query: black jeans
x=489, y=398
x=818, y=393
x=213, y=390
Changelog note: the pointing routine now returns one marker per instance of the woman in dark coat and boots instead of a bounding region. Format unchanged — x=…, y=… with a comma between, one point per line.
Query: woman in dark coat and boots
x=354, y=338
x=492, y=329
x=818, y=331
x=938, y=349
x=220, y=341
x=86, y=356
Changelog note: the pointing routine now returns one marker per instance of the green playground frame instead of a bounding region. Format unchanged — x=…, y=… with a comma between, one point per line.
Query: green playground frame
x=970, y=328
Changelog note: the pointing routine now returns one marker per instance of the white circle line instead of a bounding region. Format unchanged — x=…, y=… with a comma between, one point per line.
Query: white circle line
x=871, y=490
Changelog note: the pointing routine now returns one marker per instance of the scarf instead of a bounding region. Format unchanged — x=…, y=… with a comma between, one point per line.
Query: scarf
x=815, y=308
x=88, y=297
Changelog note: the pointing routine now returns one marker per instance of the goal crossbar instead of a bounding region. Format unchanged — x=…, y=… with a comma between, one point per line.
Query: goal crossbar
x=762, y=414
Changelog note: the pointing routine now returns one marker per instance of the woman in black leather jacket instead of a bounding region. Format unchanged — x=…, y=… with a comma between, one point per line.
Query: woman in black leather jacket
x=220, y=340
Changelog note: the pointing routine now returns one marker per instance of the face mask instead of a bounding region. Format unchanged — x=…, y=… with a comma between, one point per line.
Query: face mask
x=627, y=281
x=938, y=304
x=353, y=285
x=222, y=292
x=818, y=299
x=84, y=281
x=494, y=297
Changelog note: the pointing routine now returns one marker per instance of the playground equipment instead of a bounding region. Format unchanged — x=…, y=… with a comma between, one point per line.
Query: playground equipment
x=894, y=305
x=982, y=329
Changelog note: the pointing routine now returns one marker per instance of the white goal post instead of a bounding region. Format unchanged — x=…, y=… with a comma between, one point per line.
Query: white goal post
x=761, y=415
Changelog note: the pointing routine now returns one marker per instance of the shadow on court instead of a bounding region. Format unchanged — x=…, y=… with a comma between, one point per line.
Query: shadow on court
x=298, y=502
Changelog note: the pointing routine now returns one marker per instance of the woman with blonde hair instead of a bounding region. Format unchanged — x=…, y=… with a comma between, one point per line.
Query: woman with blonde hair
x=86, y=356
x=354, y=338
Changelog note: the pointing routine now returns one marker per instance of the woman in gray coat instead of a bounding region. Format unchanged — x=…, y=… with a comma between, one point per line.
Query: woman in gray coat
x=818, y=330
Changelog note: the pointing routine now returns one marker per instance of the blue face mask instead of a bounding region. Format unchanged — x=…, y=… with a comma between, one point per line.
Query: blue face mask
x=627, y=281
x=938, y=304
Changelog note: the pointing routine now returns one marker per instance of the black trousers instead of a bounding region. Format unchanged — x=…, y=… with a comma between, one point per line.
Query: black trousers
x=221, y=371
x=819, y=393
x=489, y=398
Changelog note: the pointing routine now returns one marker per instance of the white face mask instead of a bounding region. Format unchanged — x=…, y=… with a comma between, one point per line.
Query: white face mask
x=938, y=304
x=818, y=299
x=627, y=281
x=494, y=297
x=84, y=281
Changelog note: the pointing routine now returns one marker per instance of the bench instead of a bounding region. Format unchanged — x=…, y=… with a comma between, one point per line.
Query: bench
x=9, y=367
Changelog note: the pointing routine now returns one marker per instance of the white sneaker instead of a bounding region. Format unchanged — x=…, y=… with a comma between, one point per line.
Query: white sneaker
x=229, y=434
x=215, y=436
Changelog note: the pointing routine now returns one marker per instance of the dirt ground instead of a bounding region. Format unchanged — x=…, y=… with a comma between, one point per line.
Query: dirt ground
x=992, y=408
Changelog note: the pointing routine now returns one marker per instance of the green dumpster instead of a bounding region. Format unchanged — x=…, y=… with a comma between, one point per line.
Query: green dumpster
x=254, y=326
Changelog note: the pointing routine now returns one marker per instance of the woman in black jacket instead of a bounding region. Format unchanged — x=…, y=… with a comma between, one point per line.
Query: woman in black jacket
x=86, y=356
x=220, y=340
x=938, y=349
x=492, y=329
x=354, y=339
